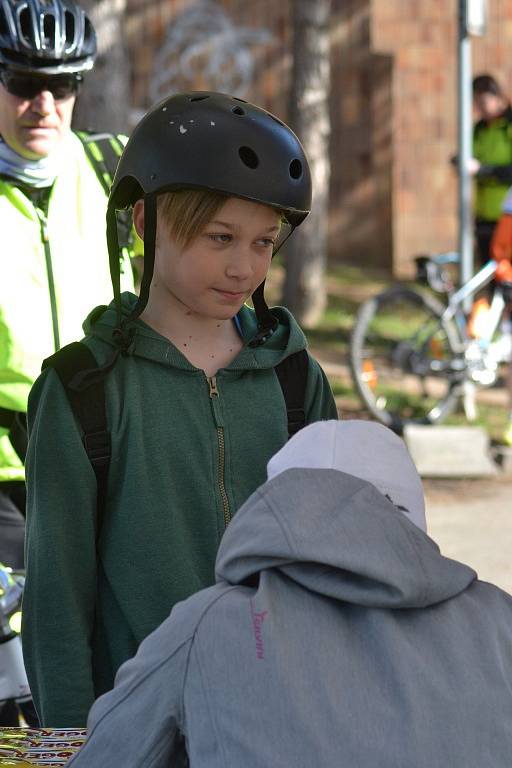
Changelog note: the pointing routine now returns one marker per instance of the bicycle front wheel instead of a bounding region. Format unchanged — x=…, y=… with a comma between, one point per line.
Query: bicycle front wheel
x=401, y=358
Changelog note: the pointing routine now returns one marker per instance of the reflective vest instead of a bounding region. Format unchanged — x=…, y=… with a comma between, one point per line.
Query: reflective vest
x=54, y=270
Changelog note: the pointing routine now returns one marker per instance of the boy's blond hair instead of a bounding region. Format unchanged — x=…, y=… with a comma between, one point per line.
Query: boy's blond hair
x=187, y=212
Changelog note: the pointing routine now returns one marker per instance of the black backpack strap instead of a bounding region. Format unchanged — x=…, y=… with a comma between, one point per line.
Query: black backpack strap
x=16, y=423
x=103, y=151
x=292, y=373
x=88, y=406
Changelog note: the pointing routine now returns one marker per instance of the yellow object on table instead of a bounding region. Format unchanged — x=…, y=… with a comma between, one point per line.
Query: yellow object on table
x=22, y=747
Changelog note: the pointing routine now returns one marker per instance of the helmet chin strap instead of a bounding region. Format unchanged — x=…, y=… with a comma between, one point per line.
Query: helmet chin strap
x=113, y=258
x=150, y=214
x=123, y=334
x=267, y=322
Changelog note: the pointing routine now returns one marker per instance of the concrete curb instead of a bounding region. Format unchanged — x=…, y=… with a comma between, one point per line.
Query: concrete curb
x=450, y=451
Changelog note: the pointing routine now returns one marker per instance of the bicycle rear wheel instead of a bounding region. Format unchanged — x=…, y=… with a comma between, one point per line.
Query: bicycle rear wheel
x=401, y=358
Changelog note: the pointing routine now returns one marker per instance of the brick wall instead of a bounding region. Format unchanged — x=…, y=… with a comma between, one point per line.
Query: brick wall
x=148, y=20
x=393, y=109
x=361, y=150
x=420, y=36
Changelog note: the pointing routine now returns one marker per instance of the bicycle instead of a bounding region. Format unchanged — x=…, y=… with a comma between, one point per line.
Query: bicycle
x=413, y=359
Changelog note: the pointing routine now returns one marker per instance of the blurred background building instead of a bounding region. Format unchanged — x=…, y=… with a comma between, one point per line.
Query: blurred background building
x=393, y=106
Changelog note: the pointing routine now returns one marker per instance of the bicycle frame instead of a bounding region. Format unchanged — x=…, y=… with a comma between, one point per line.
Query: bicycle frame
x=454, y=310
x=482, y=354
x=478, y=281
x=439, y=343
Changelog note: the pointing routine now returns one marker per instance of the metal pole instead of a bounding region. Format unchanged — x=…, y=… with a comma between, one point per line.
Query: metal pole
x=465, y=150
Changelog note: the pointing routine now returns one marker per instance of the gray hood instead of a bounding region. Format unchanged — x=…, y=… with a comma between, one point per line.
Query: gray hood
x=298, y=656
x=338, y=536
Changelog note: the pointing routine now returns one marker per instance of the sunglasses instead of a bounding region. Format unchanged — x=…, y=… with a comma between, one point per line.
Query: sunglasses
x=29, y=86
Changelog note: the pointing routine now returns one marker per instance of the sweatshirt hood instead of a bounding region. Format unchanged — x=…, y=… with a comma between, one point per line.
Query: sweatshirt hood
x=338, y=536
x=287, y=339
x=365, y=449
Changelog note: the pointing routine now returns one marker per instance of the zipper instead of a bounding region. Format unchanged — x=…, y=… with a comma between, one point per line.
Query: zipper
x=214, y=394
x=212, y=383
x=43, y=221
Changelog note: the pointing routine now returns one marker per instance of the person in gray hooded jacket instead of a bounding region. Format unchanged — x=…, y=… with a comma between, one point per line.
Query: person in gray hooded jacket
x=336, y=634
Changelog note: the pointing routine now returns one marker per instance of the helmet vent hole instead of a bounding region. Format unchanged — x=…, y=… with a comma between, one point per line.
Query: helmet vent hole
x=248, y=157
x=237, y=99
x=295, y=169
x=70, y=28
x=88, y=30
x=48, y=31
x=238, y=111
x=198, y=98
x=4, y=29
x=26, y=27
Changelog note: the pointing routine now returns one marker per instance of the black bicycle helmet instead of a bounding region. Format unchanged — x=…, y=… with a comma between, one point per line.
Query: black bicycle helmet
x=47, y=36
x=212, y=141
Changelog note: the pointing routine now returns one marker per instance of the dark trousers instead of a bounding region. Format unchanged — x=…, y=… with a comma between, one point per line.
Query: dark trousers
x=483, y=234
x=12, y=535
x=10, y=714
x=12, y=524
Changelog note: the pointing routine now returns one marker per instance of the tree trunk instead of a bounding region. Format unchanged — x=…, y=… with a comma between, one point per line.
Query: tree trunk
x=104, y=100
x=304, y=287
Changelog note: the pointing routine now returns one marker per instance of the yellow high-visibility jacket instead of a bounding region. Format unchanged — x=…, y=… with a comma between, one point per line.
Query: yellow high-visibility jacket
x=53, y=270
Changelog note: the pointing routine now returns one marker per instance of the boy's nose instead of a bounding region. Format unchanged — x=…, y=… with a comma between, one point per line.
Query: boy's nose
x=240, y=263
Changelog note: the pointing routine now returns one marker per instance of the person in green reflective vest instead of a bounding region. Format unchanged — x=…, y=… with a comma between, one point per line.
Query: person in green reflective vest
x=491, y=164
x=53, y=204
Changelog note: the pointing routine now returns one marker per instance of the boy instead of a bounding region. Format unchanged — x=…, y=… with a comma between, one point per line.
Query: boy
x=194, y=406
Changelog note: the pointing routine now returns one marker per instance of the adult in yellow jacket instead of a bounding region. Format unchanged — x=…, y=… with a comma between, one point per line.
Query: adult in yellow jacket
x=54, y=262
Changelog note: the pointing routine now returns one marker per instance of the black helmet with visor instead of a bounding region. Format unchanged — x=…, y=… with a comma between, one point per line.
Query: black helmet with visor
x=45, y=37
x=211, y=141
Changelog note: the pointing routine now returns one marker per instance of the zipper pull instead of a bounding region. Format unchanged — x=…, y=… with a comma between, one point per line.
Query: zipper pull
x=212, y=383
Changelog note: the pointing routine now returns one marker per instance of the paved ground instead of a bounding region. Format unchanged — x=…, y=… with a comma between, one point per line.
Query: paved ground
x=471, y=520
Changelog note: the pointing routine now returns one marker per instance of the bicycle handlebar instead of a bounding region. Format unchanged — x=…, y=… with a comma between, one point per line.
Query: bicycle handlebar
x=448, y=257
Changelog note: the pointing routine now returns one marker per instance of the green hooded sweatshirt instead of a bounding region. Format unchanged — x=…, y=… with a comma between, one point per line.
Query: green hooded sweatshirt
x=187, y=451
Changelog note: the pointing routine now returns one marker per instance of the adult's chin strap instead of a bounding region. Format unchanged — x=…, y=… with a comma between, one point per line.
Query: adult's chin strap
x=123, y=334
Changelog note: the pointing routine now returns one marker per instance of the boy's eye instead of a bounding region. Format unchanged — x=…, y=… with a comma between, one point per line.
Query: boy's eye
x=226, y=238
x=266, y=242
x=220, y=237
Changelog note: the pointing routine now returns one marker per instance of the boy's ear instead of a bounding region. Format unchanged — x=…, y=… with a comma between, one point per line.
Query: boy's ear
x=138, y=218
